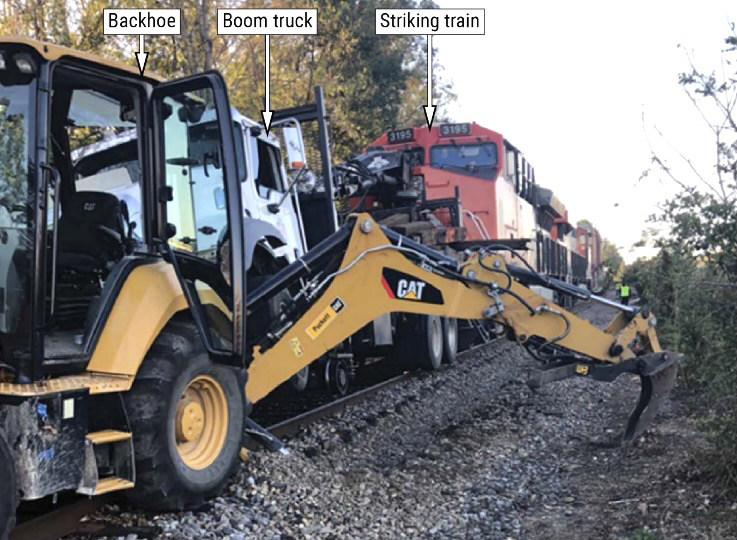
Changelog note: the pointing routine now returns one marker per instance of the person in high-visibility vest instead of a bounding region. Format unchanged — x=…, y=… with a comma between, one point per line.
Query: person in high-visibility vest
x=624, y=293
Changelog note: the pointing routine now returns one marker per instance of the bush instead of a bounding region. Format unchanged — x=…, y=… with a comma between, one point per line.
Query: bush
x=696, y=306
x=692, y=283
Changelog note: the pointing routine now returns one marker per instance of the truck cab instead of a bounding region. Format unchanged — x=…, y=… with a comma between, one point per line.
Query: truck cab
x=270, y=202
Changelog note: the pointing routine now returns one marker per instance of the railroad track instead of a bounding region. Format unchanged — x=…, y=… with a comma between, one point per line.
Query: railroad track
x=68, y=518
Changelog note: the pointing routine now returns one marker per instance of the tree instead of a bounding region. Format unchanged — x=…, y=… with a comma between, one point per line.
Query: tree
x=611, y=259
x=692, y=282
x=702, y=219
x=372, y=83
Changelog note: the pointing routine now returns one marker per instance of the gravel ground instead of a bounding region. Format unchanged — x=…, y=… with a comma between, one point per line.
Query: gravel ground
x=471, y=452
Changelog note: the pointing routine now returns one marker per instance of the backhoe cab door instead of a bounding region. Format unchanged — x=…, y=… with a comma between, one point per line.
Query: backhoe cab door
x=200, y=218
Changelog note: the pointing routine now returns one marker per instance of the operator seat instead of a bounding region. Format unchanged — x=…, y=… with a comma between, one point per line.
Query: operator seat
x=91, y=240
x=91, y=231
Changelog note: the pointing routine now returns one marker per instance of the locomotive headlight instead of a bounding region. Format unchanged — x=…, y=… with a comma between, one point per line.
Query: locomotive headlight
x=418, y=183
x=2, y=62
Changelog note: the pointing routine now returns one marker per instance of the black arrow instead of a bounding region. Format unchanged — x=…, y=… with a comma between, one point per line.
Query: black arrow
x=267, y=112
x=429, y=108
x=141, y=55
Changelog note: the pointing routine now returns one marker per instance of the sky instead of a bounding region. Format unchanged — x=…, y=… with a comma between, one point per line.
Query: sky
x=569, y=83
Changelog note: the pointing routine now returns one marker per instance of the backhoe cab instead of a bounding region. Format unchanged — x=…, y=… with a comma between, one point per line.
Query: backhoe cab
x=125, y=359
x=123, y=329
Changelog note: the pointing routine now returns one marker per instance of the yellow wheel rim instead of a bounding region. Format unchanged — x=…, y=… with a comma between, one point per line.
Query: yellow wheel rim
x=201, y=424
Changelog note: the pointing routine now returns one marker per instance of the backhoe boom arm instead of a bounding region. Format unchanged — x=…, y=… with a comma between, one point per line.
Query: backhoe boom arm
x=378, y=275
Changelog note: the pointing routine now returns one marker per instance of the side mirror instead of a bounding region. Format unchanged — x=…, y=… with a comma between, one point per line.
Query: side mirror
x=293, y=142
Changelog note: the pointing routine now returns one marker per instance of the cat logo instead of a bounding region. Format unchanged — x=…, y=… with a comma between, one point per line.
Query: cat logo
x=325, y=318
x=406, y=287
x=410, y=289
x=89, y=206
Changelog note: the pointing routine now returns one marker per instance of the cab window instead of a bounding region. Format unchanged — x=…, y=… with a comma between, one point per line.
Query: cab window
x=479, y=160
x=102, y=136
x=266, y=163
x=194, y=171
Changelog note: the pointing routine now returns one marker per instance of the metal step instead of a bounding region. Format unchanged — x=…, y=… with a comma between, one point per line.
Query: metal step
x=108, y=452
x=108, y=436
x=112, y=483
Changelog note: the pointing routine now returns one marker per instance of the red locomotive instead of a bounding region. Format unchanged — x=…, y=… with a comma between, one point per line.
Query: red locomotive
x=463, y=184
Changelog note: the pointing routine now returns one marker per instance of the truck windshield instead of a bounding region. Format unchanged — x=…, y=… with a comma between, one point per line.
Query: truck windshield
x=16, y=236
x=478, y=160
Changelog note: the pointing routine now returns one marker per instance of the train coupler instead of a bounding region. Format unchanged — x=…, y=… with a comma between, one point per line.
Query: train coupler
x=657, y=373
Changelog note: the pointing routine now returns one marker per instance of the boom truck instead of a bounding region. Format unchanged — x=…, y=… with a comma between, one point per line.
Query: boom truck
x=150, y=393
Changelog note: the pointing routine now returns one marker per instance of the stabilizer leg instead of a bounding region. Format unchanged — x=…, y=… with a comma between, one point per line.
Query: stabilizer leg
x=657, y=372
x=655, y=385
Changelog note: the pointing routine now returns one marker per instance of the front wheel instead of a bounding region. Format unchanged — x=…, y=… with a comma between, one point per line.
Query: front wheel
x=450, y=339
x=9, y=492
x=428, y=343
x=337, y=376
x=187, y=416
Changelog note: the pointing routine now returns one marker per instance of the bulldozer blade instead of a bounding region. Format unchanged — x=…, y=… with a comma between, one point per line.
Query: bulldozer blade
x=657, y=377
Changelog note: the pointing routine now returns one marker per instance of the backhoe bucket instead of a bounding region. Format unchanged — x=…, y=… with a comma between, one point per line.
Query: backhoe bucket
x=657, y=373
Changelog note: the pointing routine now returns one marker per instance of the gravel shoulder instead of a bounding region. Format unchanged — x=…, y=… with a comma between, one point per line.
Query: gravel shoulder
x=471, y=452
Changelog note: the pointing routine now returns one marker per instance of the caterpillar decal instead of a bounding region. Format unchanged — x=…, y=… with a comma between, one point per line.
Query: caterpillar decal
x=323, y=320
x=407, y=287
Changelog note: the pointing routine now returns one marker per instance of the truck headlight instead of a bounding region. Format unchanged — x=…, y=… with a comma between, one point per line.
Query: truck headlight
x=418, y=183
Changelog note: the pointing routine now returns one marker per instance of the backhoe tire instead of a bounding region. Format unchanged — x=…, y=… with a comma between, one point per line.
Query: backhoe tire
x=187, y=416
x=8, y=489
x=427, y=343
x=450, y=339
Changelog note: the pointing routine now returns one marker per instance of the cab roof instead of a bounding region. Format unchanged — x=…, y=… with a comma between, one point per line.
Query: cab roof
x=51, y=52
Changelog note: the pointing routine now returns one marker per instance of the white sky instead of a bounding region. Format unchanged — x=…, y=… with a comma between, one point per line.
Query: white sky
x=568, y=81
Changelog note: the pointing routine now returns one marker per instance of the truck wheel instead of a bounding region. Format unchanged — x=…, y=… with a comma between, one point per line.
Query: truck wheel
x=9, y=494
x=450, y=339
x=298, y=381
x=429, y=343
x=337, y=376
x=187, y=417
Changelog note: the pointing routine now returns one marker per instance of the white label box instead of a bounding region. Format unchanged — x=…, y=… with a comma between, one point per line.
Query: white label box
x=267, y=21
x=148, y=22
x=438, y=22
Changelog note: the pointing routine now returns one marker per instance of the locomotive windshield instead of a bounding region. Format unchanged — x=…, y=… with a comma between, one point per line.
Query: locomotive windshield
x=479, y=160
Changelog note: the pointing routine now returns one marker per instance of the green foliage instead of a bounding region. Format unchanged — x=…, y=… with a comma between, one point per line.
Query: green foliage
x=372, y=83
x=611, y=259
x=696, y=306
x=692, y=283
x=13, y=167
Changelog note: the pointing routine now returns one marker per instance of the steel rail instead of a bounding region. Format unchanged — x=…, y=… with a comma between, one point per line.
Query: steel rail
x=60, y=522
x=67, y=519
x=291, y=426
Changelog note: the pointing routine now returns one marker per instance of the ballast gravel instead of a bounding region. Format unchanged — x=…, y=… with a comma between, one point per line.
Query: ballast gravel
x=469, y=451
